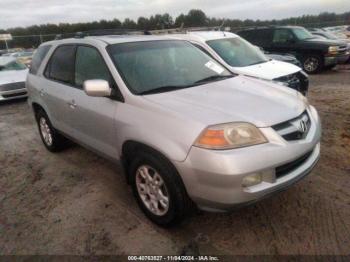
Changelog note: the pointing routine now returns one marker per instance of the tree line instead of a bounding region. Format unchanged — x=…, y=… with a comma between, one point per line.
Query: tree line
x=32, y=36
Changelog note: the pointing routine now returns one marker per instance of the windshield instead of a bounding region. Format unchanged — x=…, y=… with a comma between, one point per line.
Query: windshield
x=302, y=33
x=13, y=66
x=237, y=52
x=161, y=66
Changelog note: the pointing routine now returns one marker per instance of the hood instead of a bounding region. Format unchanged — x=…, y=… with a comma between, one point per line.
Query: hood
x=7, y=77
x=326, y=42
x=238, y=99
x=268, y=70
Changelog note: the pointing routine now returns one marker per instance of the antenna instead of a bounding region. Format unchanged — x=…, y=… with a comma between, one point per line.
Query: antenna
x=221, y=26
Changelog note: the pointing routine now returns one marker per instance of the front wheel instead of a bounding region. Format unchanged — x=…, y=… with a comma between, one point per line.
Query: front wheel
x=312, y=64
x=158, y=189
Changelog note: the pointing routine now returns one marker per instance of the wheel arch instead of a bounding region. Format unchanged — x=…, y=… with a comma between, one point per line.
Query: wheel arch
x=130, y=148
x=36, y=107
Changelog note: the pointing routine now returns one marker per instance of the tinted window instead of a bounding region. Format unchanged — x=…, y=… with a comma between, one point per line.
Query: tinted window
x=282, y=36
x=260, y=37
x=61, y=66
x=90, y=65
x=160, y=66
x=38, y=57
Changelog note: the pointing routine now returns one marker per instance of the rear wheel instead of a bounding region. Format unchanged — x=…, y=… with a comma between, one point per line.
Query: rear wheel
x=158, y=189
x=312, y=64
x=52, y=140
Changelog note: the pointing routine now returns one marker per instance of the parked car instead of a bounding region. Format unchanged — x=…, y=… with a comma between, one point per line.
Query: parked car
x=24, y=57
x=343, y=29
x=12, y=79
x=186, y=129
x=314, y=53
x=241, y=57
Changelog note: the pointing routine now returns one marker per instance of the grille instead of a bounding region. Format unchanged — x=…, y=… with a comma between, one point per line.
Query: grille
x=294, y=129
x=14, y=95
x=289, y=167
x=12, y=86
x=343, y=50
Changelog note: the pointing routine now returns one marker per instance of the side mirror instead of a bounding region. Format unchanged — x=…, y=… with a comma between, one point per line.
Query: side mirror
x=98, y=88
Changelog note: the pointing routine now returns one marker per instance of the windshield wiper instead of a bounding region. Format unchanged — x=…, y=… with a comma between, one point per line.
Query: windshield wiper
x=162, y=89
x=256, y=63
x=212, y=78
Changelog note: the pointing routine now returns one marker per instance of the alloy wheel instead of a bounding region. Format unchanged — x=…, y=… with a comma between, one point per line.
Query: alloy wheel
x=152, y=190
x=45, y=131
x=311, y=64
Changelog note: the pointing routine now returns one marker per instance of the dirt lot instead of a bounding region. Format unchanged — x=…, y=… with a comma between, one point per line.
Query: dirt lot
x=75, y=202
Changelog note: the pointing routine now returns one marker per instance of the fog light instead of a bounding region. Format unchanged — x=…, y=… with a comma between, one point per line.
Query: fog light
x=251, y=180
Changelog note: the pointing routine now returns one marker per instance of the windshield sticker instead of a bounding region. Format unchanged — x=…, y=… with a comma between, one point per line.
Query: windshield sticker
x=214, y=67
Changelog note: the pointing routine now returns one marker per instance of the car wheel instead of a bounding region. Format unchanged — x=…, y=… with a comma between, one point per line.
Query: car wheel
x=312, y=64
x=52, y=140
x=158, y=189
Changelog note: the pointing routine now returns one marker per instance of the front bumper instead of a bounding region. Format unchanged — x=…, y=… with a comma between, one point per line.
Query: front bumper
x=330, y=60
x=13, y=91
x=339, y=59
x=213, y=178
x=342, y=59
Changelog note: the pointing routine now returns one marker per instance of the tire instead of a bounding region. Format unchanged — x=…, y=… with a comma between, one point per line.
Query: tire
x=165, y=214
x=53, y=141
x=312, y=64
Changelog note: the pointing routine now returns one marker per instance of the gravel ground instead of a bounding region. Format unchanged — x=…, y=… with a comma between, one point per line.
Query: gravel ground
x=75, y=202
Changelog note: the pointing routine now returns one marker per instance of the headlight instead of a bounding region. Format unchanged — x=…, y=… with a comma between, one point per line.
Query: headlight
x=333, y=49
x=229, y=136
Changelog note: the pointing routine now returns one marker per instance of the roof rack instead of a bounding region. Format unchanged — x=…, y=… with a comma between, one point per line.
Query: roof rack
x=103, y=32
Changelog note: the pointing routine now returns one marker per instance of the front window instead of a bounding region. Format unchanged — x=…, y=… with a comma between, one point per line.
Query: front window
x=302, y=33
x=237, y=52
x=159, y=66
x=13, y=66
x=89, y=65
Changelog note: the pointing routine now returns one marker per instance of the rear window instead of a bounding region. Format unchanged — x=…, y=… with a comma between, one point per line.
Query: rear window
x=38, y=58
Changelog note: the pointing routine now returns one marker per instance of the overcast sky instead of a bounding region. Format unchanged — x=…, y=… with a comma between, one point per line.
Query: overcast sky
x=28, y=12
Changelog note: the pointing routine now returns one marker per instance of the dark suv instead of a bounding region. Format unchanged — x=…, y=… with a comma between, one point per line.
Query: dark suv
x=314, y=53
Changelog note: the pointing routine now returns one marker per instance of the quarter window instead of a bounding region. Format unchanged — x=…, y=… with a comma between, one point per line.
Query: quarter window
x=38, y=57
x=61, y=65
x=90, y=65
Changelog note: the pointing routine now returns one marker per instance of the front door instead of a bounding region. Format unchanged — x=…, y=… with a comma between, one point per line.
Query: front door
x=92, y=118
x=284, y=41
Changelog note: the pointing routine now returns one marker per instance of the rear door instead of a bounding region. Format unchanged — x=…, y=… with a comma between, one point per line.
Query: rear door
x=55, y=90
x=92, y=118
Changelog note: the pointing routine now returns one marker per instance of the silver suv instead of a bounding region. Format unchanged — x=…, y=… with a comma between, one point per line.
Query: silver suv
x=188, y=132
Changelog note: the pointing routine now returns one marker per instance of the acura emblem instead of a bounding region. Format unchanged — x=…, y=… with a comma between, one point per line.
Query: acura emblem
x=302, y=126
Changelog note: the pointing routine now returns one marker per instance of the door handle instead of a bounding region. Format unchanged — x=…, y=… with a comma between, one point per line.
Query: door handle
x=72, y=104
